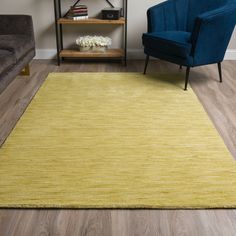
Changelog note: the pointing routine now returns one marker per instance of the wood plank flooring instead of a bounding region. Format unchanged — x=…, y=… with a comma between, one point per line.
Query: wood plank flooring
x=219, y=100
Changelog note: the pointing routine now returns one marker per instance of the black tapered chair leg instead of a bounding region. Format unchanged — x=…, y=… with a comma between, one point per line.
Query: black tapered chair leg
x=187, y=78
x=146, y=64
x=180, y=67
x=220, y=72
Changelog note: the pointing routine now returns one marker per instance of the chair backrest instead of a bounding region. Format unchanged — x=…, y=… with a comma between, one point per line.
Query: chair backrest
x=210, y=37
x=188, y=10
x=197, y=7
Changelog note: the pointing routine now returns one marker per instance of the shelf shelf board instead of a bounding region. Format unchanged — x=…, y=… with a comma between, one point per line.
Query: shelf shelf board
x=110, y=53
x=92, y=21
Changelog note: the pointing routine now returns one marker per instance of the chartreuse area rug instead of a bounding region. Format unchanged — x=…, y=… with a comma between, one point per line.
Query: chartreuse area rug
x=116, y=140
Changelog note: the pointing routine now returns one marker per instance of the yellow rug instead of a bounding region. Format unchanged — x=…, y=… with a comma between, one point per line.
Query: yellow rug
x=116, y=140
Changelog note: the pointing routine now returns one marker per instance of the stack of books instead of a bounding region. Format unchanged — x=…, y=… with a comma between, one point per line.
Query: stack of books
x=78, y=12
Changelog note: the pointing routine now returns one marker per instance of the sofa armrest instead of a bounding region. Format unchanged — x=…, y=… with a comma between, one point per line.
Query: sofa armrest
x=211, y=34
x=16, y=24
x=162, y=17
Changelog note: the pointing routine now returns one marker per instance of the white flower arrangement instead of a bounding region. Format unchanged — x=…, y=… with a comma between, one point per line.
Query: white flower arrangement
x=93, y=41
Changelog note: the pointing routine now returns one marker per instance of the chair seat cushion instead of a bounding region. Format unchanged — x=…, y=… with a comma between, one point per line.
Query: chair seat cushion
x=17, y=43
x=7, y=60
x=173, y=43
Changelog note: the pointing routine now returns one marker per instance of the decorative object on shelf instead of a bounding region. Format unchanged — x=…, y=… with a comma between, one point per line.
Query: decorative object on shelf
x=93, y=43
x=111, y=13
x=78, y=12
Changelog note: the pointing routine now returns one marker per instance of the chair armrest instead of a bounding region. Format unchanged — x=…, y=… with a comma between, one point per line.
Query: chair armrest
x=16, y=24
x=162, y=17
x=211, y=34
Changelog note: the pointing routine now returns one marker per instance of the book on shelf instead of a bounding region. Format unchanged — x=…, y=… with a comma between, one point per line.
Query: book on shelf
x=78, y=17
x=79, y=6
x=78, y=12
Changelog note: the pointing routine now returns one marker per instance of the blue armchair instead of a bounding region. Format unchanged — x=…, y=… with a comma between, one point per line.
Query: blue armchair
x=190, y=32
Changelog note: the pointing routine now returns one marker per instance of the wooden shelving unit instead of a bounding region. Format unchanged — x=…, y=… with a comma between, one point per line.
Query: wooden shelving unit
x=110, y=53
x=91, y=21
x=60, y=21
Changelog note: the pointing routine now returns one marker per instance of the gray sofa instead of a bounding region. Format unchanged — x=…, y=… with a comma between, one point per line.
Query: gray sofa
x=17, y=46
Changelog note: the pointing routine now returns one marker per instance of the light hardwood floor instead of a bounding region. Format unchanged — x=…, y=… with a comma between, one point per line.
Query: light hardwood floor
x=219, y=100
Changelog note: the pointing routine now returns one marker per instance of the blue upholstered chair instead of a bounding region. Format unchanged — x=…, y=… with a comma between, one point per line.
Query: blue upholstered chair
x=190, y=32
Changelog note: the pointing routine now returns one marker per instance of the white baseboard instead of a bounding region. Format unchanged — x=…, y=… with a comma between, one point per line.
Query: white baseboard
x=132, y=54
x=135, y=54
x=45, y=53
x=230, y=54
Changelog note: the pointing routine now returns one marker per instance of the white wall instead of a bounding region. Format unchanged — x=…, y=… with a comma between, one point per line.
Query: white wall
x=43, y=17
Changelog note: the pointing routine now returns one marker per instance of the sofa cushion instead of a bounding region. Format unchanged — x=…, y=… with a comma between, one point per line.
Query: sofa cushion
x=17, y=43
x=7, y=60
x=175, y=43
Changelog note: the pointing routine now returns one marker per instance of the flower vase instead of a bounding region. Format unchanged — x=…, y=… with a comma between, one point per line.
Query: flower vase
x=84, y=49
x=99, y=48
